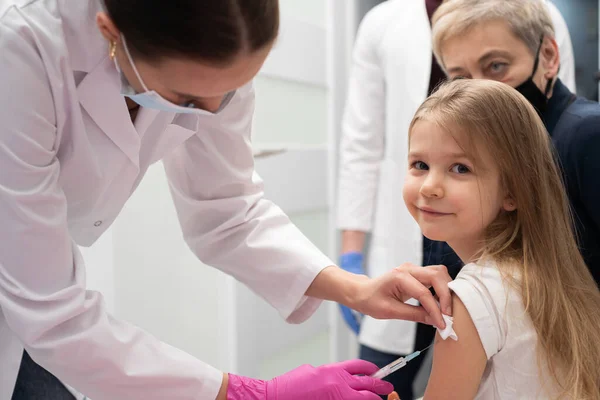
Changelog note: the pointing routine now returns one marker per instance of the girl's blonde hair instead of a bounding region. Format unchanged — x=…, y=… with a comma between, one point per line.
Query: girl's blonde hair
x=529, y=20
x=559, y=293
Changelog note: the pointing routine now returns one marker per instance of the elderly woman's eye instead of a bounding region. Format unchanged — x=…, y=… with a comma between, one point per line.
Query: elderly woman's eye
x=498, y=67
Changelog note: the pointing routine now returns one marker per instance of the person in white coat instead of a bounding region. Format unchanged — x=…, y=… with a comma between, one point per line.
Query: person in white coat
x=393, y=72
x=94, y=92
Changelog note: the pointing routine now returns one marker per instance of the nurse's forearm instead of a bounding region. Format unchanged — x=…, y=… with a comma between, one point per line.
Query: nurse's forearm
x=353, y=241
x=337, y=285
x=223, y=392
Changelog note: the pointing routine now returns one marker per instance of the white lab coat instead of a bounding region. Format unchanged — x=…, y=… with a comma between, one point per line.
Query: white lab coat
x=389, y=81
x=69, y=160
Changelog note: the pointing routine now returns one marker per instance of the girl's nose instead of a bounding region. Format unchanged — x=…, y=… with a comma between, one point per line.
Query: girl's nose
x=433, y=186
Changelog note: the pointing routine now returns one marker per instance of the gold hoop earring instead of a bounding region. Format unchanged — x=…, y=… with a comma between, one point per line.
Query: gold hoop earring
x=112, y=50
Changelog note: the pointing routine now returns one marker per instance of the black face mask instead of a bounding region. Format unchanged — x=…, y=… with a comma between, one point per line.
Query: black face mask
x=531, y=92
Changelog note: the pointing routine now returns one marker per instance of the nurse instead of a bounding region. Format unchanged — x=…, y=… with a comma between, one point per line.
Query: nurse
x=92, y=94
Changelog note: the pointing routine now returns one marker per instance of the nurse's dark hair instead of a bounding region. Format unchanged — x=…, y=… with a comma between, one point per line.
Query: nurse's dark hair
x=214, y=31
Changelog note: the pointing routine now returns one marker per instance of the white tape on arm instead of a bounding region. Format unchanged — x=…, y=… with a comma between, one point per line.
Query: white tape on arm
x=448, y=332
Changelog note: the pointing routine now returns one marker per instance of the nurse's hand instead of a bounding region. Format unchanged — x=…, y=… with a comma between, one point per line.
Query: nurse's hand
x=329, y=382
x=384, y=297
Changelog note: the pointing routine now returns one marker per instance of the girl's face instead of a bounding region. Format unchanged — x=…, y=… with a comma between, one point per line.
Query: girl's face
x=452, y=200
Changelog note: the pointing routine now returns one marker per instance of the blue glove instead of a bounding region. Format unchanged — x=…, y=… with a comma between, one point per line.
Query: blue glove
x=353, y=263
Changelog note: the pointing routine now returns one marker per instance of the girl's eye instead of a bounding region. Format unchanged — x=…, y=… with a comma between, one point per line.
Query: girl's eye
x=460, y=169
x=420, y=165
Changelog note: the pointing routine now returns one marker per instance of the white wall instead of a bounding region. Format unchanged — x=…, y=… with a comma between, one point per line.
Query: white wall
x=160, y=285
x=311, y=11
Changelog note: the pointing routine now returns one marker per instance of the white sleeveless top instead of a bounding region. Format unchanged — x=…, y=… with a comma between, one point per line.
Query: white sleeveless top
x=507, y=335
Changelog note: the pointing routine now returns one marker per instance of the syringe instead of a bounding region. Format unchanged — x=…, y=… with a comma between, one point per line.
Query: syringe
x=396, y=365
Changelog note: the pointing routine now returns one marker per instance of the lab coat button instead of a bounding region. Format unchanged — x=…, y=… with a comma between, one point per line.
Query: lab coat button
x=97, y=223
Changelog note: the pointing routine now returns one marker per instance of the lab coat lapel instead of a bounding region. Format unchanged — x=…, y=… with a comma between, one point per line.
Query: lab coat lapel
x=100, y=95
x=163, y=132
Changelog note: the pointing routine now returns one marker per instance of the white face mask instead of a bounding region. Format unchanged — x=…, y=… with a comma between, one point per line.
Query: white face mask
x=153, y=100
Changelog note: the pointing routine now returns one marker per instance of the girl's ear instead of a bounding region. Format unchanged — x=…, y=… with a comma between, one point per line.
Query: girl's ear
x=509, y=204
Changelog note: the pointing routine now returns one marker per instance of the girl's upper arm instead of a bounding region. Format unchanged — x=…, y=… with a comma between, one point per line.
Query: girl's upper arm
x=457, y=365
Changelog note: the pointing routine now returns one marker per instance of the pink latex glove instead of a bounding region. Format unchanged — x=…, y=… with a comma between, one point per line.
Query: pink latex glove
x=328, y=382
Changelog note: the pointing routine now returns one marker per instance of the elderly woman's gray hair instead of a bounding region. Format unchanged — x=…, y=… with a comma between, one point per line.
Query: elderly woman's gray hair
x=529, y=20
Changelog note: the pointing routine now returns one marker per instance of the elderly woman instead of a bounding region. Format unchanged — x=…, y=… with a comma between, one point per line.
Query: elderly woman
x=513, y=41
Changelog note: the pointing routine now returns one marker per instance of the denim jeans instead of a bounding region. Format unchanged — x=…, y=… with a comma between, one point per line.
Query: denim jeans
x=35, y=383
x=403, y=378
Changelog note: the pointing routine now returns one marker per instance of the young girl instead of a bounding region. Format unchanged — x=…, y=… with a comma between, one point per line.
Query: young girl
x=483, y=178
